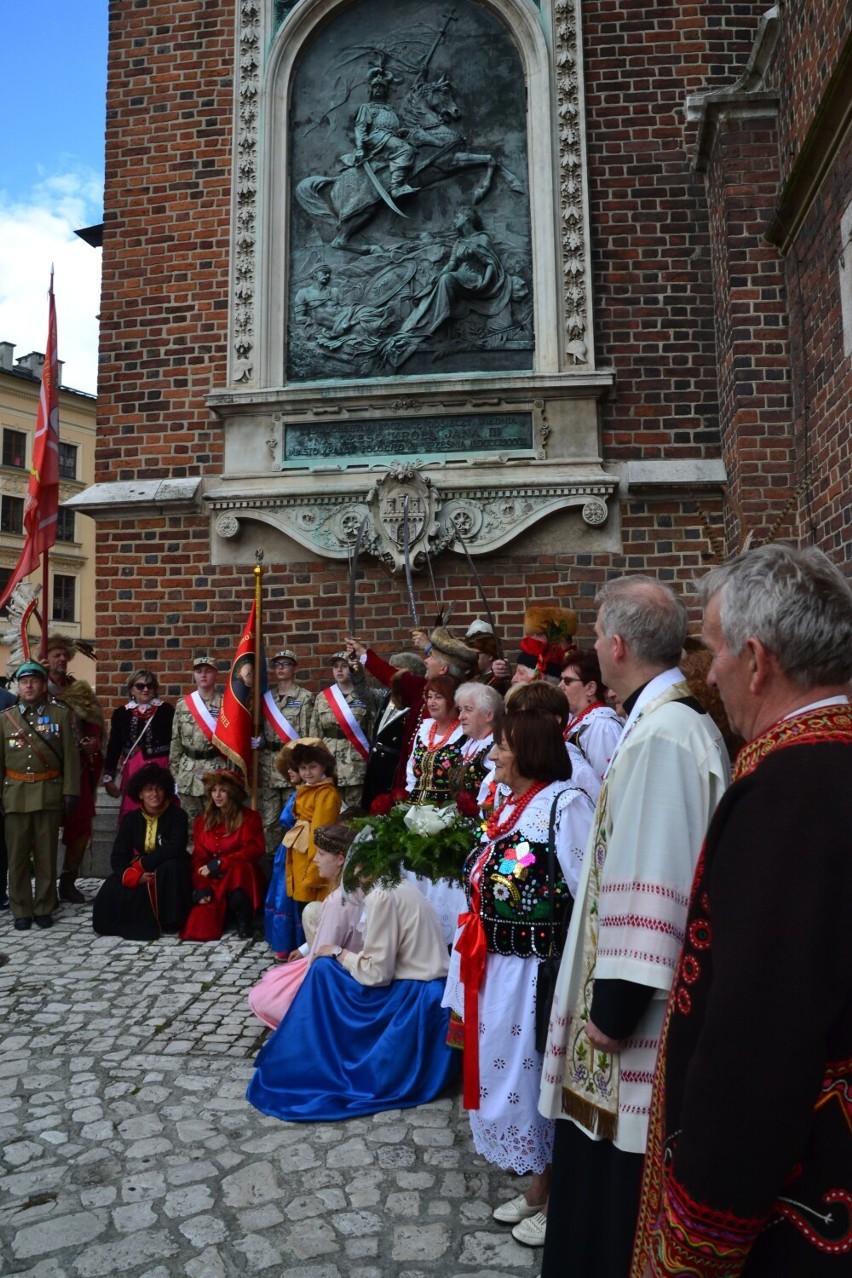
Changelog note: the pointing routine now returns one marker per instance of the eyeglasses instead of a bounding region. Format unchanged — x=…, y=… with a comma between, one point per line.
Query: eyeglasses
x=142, y=686
x=570, y=679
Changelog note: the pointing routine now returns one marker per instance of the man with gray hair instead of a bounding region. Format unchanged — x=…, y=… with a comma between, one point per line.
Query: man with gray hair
x=667, y=773
x=749, y=1149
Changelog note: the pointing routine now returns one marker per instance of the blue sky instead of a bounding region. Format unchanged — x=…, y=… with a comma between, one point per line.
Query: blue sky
x=52, y=100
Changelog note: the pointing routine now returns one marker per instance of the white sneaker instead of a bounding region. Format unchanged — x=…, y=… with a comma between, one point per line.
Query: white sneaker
x=531, y=1231
x=513, y=1212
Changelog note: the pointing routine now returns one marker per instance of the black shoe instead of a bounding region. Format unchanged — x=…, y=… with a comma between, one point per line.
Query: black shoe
x=23, y=925
x=4, y=902
x=43, y=920
x=68, y=891
x=245, y=931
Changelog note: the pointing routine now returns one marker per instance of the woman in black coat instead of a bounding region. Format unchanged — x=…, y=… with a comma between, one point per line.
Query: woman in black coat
x=150, y=889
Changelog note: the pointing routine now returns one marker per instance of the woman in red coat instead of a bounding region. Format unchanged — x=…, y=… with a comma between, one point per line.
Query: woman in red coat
x=227, y=844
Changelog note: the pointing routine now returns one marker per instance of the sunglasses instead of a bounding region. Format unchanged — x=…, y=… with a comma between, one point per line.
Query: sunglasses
x=142, y=686
x=570, y=680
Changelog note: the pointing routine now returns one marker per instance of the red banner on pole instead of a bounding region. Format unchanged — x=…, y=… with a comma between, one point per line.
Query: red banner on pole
x=234, y=726
x=42, y=501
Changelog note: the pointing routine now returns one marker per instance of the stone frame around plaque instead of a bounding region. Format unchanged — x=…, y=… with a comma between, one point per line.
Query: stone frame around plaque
x=557, y=196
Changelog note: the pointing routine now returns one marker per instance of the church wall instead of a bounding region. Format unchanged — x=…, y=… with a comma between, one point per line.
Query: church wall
x=164, y=337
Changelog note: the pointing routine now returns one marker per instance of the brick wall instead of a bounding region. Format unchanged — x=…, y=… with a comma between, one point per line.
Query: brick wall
x=653, y=287
x=822, y=373
x=753, y=348
x=813, y=37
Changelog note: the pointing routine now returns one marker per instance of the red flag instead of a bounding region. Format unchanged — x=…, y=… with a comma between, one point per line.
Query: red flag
x=234, y=726
x=42, y=501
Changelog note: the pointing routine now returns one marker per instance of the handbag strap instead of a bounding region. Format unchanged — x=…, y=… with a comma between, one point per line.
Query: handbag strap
x=551, y=864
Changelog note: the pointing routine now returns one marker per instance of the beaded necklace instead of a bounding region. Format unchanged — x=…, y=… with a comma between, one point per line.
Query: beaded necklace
x=596, y=705
x=432, y=744
x=496, y=826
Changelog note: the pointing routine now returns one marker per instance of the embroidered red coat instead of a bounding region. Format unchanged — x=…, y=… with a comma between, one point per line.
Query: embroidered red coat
x=749, y=1166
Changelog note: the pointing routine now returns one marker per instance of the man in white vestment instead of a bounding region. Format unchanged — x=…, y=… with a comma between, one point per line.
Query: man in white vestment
x=667, y=773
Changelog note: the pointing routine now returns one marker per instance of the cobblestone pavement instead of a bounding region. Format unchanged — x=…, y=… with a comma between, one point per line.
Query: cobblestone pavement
x=127, y=1145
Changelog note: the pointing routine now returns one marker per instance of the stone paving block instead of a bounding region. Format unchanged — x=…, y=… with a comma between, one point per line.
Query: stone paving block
x=420, y=1242
x=208, y=1264
x=257, y=1183
x=55, y=1233
x=204, y=1230
x=122, y=1254
x=134, y=1216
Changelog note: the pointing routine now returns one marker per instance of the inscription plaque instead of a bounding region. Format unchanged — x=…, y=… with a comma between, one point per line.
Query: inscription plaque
x=407, y=437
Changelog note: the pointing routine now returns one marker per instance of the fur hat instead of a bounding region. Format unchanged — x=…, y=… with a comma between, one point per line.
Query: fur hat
x=409, y=661
x=551, y=622
x=453, y=649
x=61, y=641
x=233, y=782
x=548, y=631
x=150, y=774
x=80, y=697
x=313, y=750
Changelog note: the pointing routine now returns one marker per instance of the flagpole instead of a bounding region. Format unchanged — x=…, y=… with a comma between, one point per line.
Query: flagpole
x=45, y=625
x=258, y=650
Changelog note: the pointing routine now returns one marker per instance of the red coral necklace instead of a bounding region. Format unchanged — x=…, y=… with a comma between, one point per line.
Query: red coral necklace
x=433, y=744
x=508, y=816
x=596, y=705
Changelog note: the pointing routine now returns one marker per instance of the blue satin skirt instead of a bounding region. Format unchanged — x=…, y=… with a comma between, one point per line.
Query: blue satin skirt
x=345, y=1049
x=282, y=923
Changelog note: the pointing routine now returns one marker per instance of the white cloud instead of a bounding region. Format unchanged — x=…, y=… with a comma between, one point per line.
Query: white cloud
x=37, y=230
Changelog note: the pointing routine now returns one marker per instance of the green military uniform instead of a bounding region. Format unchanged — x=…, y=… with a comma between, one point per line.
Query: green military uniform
x=364, y=702
x=192, y=755
x=40, y=765
x=296, y=705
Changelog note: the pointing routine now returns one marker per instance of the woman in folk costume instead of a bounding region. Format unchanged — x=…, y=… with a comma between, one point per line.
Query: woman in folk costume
x=227, y=845
x=343, y=717
x=593, y=727
x=480, y=710
x=338, y=922
x=80, y=699
x=519, y=902
x=366, y=1031
x=150, y=888
x=140, y=732
x=435, y=757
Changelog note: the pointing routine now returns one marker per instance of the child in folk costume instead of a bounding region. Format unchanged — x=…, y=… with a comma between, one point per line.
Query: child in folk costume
x=227, y=844
x=282, y=923
x=318, y=802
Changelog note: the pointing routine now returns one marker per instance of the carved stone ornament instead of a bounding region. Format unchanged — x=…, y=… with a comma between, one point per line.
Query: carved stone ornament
x=486, y=518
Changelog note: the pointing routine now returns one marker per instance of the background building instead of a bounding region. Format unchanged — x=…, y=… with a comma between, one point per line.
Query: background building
x=654, y=365
x=72, y=560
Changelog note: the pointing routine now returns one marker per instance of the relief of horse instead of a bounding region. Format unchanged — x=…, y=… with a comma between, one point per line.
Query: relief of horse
x=349, y=199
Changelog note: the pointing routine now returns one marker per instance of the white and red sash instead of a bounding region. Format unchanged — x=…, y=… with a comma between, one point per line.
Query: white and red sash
x=197, y=707
x=348, y=724
x=281, y=725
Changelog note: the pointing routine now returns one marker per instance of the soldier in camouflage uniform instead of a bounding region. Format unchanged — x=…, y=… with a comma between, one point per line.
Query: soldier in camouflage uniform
x=296, y=704
x=40, y=768
x=364, y=703
x=192, y=754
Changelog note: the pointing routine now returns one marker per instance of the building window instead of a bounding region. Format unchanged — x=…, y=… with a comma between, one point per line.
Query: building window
x=5, y=574
x=64, y=590
x=67, y=461
x=64, y=524
x=15, y=448
x=11, y=514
